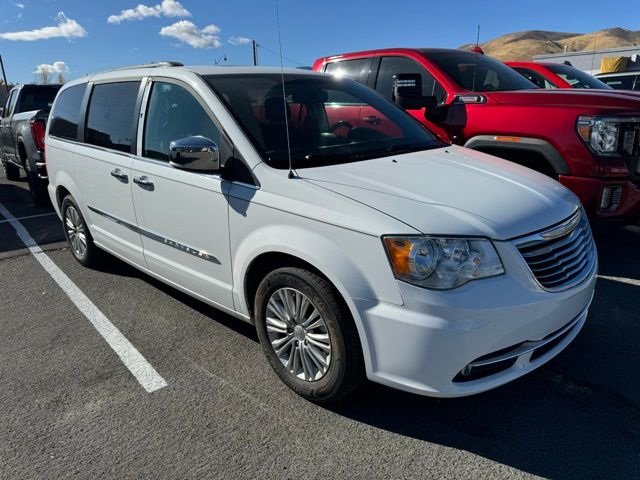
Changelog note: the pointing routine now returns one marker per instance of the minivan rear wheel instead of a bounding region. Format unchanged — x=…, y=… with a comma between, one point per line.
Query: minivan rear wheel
x=77, y=234
x=308, y=335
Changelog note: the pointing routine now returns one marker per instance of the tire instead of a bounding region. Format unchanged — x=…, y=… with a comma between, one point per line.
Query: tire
x=11, y=171
x=319, y=376
x=37, y=187
x=75, y=229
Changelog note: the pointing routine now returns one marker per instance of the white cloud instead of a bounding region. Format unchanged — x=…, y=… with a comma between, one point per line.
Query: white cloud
x=239, y=41
x=168, y=8
x=55, y=67
x=67, y=28
x=19, y=5
x=188, y=33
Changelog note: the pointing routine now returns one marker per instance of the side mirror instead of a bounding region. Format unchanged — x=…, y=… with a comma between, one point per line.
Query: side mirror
x=194, y=153
x=407, y=91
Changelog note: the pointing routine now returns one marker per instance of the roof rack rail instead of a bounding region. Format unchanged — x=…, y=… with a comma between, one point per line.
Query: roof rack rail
x=149, y=65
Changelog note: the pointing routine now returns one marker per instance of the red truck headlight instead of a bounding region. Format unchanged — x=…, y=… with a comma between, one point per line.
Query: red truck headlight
x=601, y=134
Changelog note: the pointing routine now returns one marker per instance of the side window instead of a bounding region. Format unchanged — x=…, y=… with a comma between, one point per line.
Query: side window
x=354, y=69
x=173, y=113
x=5, y=111
x=11, y=103
x=534, y=77
x=623, y=82
x=110, y=118
x=391, y=66
x=637, y=87
x=66, y=114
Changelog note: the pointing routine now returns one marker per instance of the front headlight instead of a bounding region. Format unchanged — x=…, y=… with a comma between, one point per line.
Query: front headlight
x=441, y=263
x=601, y=134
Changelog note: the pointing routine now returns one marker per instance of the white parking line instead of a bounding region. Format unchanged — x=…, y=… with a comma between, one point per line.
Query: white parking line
x=133, y=360
x=30, y=216
x=628, y=281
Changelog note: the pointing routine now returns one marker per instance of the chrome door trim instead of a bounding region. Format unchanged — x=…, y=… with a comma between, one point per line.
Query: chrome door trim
x=159, y=238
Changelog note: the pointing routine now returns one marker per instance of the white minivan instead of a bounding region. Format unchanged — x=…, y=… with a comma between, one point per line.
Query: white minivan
x=358, y=243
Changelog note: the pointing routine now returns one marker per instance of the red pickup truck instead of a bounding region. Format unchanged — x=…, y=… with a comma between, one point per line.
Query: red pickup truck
x=588, y=141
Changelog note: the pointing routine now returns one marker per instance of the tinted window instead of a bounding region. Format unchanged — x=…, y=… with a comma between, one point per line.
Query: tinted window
x=534, y=77
x=479, y=73
x=391, y=66
x=7, y=106
x=174, y=113
x=66, y=115
x=36, y=98
x=577, y=78
x=623, y=82
x=357, y=70
x=362, y=125
x=110, y=121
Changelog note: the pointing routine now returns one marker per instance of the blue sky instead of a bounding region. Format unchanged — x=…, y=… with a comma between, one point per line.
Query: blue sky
x=92, y=35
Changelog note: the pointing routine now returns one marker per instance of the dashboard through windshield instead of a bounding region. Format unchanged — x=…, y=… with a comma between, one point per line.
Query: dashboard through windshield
x=330, y=120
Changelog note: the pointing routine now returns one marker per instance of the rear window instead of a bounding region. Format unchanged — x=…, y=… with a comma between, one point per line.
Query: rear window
x=36, y=98
x=357, y=70
x=110, y=121
x=66, y=114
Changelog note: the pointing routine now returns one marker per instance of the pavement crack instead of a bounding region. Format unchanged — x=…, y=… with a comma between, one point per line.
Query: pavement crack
x=584, y=387
x=28, y=253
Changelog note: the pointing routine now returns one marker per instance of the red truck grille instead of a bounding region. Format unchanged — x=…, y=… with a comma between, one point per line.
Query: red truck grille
x=630, y=148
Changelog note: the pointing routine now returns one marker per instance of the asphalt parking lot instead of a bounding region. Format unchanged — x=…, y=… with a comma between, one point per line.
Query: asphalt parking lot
x=70, y=407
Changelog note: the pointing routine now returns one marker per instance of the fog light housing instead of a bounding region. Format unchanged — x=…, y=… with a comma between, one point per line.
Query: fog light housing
x=610, y=198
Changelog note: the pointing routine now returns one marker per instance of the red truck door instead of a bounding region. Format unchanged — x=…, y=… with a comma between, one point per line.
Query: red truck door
x=391, y=66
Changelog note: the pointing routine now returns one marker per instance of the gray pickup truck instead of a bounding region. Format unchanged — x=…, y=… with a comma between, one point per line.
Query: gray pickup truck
x=23, y=123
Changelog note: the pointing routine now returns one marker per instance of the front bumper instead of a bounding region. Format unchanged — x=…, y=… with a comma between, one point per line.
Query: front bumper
x=590, y=191
x=425, y=344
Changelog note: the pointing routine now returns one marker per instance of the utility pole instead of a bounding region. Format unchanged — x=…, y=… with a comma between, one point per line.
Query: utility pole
x=255, y=51
x=4, y=76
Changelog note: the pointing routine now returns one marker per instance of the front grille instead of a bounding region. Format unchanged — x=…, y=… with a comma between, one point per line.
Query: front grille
x=630, y=147
x=562, y=256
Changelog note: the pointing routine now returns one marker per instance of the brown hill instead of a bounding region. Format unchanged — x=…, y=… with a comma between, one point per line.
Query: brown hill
x=524, y=45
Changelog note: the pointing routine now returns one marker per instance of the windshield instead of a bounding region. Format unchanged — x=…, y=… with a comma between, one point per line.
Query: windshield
x=479, y=73
x=577, y=78
x=331, y=120
x=36, y=98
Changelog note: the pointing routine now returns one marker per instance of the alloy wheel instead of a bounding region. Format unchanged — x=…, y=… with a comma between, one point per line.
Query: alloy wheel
x=298, y=334
x=75, y=231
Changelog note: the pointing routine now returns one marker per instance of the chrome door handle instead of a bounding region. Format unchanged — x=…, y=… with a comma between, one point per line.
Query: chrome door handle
x=144, y=182
x=119, y=174
x=372, y=120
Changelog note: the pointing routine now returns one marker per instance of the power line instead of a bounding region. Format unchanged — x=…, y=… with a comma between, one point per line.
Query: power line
x=259, y=45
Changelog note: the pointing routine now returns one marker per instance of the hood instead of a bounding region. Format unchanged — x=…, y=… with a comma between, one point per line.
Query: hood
x=597, y=99
x=452, y=191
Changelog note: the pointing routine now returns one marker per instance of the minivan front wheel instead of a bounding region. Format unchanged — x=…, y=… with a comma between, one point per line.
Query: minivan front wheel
x=77, y=234
x=307, y=334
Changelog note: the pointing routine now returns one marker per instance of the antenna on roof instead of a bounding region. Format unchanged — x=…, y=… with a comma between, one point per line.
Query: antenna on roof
x=284, y=94
x=475, y=63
